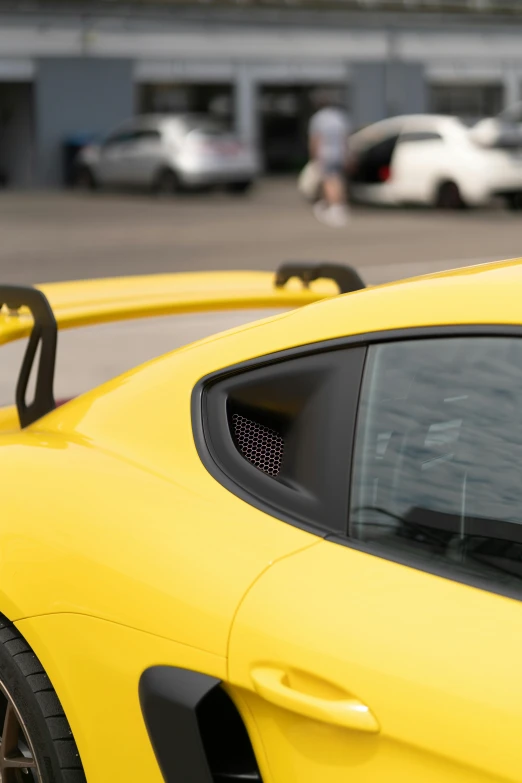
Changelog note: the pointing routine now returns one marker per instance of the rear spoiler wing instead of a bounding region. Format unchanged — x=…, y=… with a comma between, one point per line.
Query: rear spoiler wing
x=38, y=313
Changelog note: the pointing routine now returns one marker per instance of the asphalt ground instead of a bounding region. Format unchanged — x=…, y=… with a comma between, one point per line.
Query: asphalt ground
x=64, y=236
x=60, y=236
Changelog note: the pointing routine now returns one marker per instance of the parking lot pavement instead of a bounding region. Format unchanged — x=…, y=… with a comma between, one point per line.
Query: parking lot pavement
x=57, y=236
x=60, y=236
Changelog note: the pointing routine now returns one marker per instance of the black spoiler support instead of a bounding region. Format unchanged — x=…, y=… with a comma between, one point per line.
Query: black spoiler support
x=346, y=277
x=44, y=336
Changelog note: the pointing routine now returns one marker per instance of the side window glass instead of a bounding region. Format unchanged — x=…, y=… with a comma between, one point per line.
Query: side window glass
x=436, y=476
x=372, y=164
x=147, y=135
x=118, y=138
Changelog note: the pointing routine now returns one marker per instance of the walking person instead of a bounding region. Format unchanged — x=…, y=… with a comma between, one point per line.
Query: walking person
x=328, y=145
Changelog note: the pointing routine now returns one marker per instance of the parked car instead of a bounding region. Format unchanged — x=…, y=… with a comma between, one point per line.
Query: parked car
x=289, y=553
x=166, y=153
x=501, y=132
x=434, y=160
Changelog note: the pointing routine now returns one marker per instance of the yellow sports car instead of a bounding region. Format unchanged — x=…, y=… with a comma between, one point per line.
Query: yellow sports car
x=290, y=553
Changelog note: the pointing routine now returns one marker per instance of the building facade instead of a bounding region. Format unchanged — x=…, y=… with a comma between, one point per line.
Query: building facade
x=76, y=70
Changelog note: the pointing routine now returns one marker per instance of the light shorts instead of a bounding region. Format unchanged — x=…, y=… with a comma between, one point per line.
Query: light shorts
x=332, y=169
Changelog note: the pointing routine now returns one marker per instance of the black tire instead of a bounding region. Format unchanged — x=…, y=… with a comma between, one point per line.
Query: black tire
x=514, y=202
x=240, y=188
x=166, y=182
x=45, y=734
x=449, y=196
x=83, y=179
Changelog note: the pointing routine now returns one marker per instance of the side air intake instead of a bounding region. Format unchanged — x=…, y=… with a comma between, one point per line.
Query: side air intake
x=262, y=446
x=227, y=745
x=195, y=728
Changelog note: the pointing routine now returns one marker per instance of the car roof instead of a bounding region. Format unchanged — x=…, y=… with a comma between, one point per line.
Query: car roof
x=158, y=120
x=401, y=119
x=474, y=295
x=487, y=294
x=439, y=122
x=480, y=294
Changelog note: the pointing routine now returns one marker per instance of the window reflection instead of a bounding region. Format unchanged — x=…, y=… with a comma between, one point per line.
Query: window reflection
x=438, y=455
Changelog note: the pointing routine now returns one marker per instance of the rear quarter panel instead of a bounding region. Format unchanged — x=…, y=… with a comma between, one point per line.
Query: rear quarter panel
x=95, y=667
x=86, y=532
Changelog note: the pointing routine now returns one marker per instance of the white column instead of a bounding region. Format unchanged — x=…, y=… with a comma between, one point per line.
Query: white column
x=512, y=80
x=246, y=115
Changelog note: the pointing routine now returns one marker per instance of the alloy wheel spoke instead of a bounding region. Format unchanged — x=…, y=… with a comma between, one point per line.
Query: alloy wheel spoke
x=19, y=762
x=12, y=760
x=10, y=733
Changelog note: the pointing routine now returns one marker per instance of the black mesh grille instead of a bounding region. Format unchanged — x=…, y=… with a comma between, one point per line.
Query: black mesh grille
x=260, y=445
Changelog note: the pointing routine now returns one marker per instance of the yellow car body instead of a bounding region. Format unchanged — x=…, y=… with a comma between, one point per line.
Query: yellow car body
x=121, y=549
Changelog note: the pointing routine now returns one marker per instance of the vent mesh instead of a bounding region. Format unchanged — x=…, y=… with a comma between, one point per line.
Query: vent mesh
x=260, y=445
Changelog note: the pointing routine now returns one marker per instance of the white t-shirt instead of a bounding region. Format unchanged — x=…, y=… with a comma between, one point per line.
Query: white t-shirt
x=331, y=127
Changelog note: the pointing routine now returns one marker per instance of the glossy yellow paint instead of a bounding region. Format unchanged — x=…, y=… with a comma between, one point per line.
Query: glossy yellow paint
x=84, y=302
x=431, y=659
x=95, y=666
x=100, y=535
x=9, y=418
x=157, y=396
x=118, y=550
x=297, y=691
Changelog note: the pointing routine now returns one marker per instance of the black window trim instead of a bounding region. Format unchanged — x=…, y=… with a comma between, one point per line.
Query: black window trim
x=359, y=340
x=208, y=455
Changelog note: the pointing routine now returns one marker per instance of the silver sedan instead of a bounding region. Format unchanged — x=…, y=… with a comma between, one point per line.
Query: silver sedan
x=167, y=153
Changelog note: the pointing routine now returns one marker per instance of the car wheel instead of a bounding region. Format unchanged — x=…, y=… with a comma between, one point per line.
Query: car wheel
x=239, y=188
x=514, y=202
x=83, y=179
x=449, y=196
x=166, y=182
x=36, y=744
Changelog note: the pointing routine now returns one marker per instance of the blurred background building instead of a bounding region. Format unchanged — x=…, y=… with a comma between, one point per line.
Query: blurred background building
x=71, y=71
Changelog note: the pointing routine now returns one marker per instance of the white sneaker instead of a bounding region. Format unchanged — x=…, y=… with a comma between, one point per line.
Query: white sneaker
x=335, y=215
x=338, y=215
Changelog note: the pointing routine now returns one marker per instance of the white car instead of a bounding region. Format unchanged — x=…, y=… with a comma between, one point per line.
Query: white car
x=166, y=153
x=434, y=160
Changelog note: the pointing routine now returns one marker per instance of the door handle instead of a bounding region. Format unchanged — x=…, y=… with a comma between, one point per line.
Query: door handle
x=273, y=685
